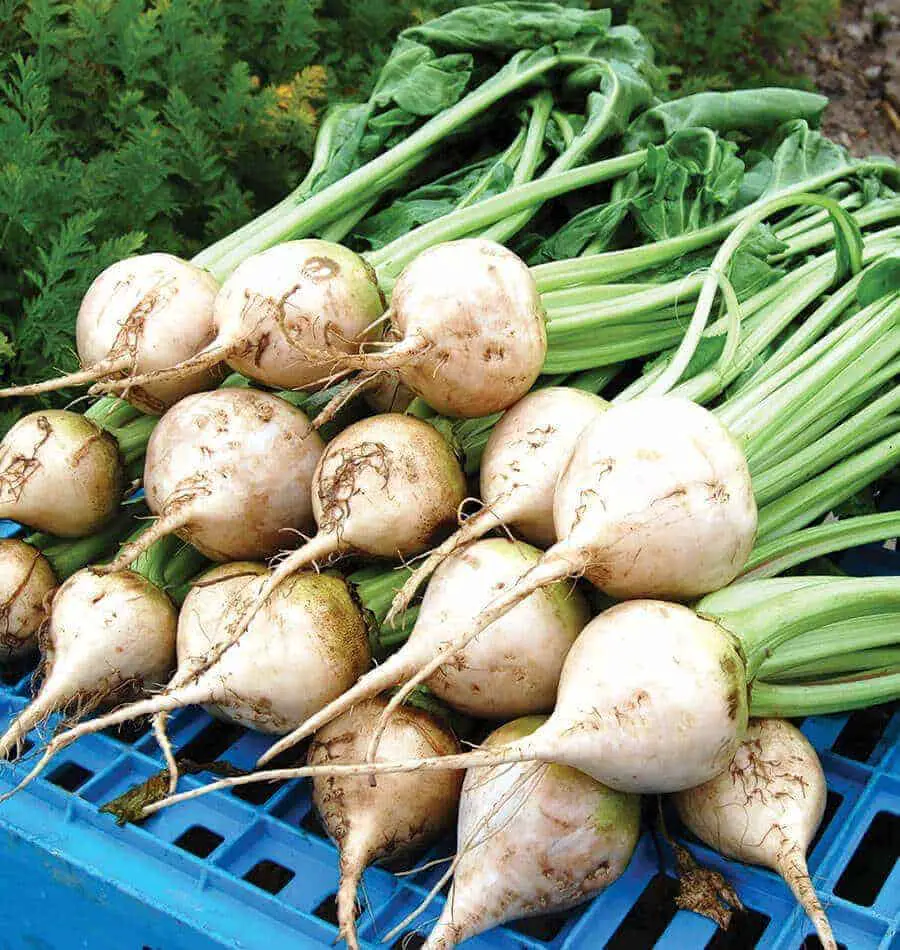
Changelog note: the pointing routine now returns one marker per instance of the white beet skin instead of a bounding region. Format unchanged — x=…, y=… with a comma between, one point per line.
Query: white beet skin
x=400, y=814
x=229, y=471
x=512, y=669
x=532, y=839
x=279, y=311
x=307, y=645
x=108, y=638
x=140, y=315
x=27, y=583
x=764, y=808
x=60, y=473
x=386, y=487
x=521, y=464
x=652, y=699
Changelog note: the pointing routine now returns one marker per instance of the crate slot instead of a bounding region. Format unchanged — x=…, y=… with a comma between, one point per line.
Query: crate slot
x=257, y=793
x=745, y=930
x=649, y=916
x=199, y=840
x=872, y=862
x=211, y=741
x=70, y=776
x=833, y=802
x=812, y=942
x=545, y=926
x=269, y=876
x=129, y=732
x=413, y=941
x=327, y=910
x=14, y=670
x=862, y=732
x=313, y=824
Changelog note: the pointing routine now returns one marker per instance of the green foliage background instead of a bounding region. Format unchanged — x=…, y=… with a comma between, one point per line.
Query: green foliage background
x=164, y=124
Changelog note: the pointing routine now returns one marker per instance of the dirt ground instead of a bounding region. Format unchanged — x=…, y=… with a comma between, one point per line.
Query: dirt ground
x=858, y=68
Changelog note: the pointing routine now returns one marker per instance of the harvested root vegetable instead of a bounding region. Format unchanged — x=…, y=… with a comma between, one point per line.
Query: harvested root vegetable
x=653, y=696
x=764, y=808
x=522, y=461
x=229, y=472
x=468, y=329
x=370, y=823
x=385, y=487
x=277, y=311
x=143, y=314
x=655, y=500
x=511, y=669
x=60, y=473
x=532, y=839
x=306, y=647
x=27, y=581
x=108, y=638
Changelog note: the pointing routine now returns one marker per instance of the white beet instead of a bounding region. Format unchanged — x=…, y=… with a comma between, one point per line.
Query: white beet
x=109, y=637
x=655, y=500
x=525, y=453
x=512, y=669
x=385, y=487
x=140, y=315
x=305, y=647
x=369, y=822
x=60, y=473
x=27, y=581
x=764, y=808
x=229, y=471
x=652, y=698
x=280, y=311
x=468, y=329
x=532, y=840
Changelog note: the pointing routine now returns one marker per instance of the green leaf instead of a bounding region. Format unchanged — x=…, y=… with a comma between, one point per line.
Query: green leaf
x=882, y=278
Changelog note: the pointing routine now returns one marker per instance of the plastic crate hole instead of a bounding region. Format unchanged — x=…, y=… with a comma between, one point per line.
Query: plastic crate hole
x=649, y=916
x=11, y=671
x=129, y=732
x=413, y=941
x=812, y=942
x=744, y=932
x=269, y=876
x=327, y=910
x=832, y=804
x=313, y=824
x=256, y=793
x=211, y=741
x=872, y=861
x=544, y=927
x=70, y=776
x=199, y=841
x=862, y=732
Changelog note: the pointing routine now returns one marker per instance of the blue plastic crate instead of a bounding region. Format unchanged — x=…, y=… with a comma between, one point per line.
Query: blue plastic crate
x=251, y=869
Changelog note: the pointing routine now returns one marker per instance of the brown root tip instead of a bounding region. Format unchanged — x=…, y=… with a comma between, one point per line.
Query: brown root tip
x=703, y=890
x=791, y=865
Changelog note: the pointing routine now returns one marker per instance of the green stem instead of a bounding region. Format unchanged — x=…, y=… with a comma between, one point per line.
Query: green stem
x=169, y=563
x=614, y=265
x=392, y=258
x=843, y=229
x=808, y=502
x=818, y=699
x=110, y=412
x=871, y=214
x=67, y=557
x=300, y=214
x=781, y=554
x=843, y=665
x=134, y=437
x=832, y=642
x=764, y=627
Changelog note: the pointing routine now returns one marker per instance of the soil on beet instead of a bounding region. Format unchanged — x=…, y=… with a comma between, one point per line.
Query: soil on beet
x=858, y=68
